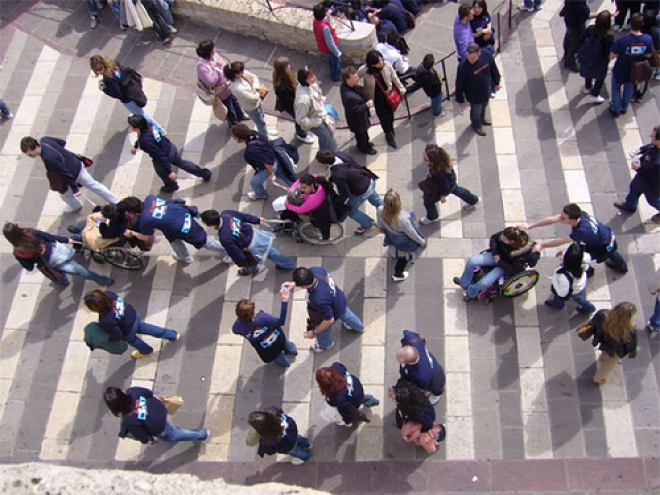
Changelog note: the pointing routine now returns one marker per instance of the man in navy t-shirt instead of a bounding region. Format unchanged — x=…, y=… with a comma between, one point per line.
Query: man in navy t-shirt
x=176, y=221
x=626, y=50
x=598, y=239
x=418, y=365
x=325, y=302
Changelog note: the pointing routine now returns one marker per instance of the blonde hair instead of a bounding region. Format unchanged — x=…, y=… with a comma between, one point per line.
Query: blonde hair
x=439, y=159
x=98, y=63
x=391, y=207
x=618, y=322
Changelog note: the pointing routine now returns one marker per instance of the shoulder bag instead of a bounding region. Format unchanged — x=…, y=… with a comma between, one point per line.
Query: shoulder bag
x=641, y=71
x=205, y=94
x=393, y=97
x=429, y=187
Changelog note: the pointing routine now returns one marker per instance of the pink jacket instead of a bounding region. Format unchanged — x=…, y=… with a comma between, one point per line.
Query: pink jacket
x=311, y=202
x=211, y=75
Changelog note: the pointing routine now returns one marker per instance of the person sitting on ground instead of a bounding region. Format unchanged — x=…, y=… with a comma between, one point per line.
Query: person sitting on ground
x=511, y=251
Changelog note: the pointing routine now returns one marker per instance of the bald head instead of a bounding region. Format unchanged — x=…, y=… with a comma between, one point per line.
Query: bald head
x=407, y=355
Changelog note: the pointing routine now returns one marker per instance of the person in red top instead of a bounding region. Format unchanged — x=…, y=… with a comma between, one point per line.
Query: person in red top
x=327, y=41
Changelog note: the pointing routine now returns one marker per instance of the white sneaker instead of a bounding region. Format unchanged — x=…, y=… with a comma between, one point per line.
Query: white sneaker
x=273, y=132
x=173, y=29
x=71, y=209
x=307, y=139
x=426, y=221
x=296, y=461
x=434, y=399
x=657, y=78
x=401, y=278
x=253, y=196
x=11, y=115
x=523, y=8
x=596, y=100
x=227, y=260
x=467, y=207
x=188, y=258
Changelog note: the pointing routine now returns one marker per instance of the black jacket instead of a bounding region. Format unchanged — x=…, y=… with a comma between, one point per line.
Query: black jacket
x=647, y=179
x=60, y=161
x=576, y=13
x=355, y=108
x=48, y=241
x=607, y=344
x=125, y=85
x=513, y=260
x=428, y=80
x=348, y=178
x=474, y=82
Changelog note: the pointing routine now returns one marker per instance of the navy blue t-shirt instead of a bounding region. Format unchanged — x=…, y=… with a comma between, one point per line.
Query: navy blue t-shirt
x=172, y=219
x=590, y=232
x=349, y=399
x=629, y=49
x=265, y=333
x=148, y=418
x=427, y=373
x=286, y=442
x=120, y=320
x=325, y=297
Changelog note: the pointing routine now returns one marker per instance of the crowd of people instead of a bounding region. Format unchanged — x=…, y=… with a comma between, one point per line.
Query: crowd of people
x=236, y=95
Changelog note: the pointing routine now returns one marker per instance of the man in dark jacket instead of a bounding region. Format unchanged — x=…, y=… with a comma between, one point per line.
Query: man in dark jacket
x=356, y=108
x=354, y=184
x=647, y=180
x=576, y=13
x=477, y=75
x=66, y=173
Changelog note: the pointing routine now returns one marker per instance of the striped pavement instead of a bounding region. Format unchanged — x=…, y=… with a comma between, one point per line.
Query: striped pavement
x=518, y=380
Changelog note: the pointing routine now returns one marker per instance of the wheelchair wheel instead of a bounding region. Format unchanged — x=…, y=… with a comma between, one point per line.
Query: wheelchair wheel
x=313, y=235
x=519, y=284
x=122, y=258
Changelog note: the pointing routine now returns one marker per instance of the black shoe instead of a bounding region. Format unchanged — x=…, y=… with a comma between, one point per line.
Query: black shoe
x=371, y=151
x=624, y=207
x=168, y=190
x=457, y=281
x=389, y=137
x=74, y=229
x=207, y=177
x=480, y=131
x=442, y=434
x=590, y=272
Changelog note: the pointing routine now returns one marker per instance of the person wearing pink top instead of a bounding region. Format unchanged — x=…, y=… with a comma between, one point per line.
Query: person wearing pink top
x=312, y=201
x=210, y=74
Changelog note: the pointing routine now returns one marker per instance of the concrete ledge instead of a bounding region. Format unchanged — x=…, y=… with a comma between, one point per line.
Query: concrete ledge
x=287, y=26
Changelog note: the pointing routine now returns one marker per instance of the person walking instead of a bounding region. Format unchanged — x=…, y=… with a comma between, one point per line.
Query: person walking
x=444, y=177
x=569, y=281
x=653, y=326
x=123, y=84
x=627, y=50
x=402, y=239
x=576, y=13
x=66, y=171
x=144, y=417
x=264, y=331
x=343, y=390
x=615, y=336
x=379, y=80
x=278, y=433
x=477, y=76
x=646, y=164
x=354, y=185
x=247, y=246
x=593, y=55
x=598, y=238
x=163, y=154
x=415, y=416
x=327, y=40
x=357, y=109
x=309, y=109
x=326, y=303
x=428, y=79
x=51, y=254
x=121, y=321
x=284, y=85
x=210, y=72
x=247, y=88
x=418, y=365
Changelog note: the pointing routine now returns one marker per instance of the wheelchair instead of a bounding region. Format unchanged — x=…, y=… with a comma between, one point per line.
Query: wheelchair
x=306, y=232
x=110, y=250
x=513, y=286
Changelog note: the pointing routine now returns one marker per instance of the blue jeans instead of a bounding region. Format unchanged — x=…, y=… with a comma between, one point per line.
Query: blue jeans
x=365, y=221
x=73, y=268
x=335, y=67
x=436, y=105
x=477, y=114
x=257, y=182
x=281, y=261
x=325, y=338
x=300, y=450
x=584, y=306
x=144, y=328
x=654, y=321
x=257, y=116
x=166, y=10
x=370, y=401
x=133, y=107
x=93, y=8
x=289, y=350
x=173, y=433
x=326, y=140
x=532, y=3
x=616, y=262
x=4, y=109
x=632, y=200
x=622, y=93
x=235, y=111
x=480, y=260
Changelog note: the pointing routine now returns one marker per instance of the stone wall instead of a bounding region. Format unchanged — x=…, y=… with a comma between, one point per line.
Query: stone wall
x=287, y=26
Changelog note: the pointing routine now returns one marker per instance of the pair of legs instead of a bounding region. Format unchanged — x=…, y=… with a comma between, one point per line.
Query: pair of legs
x=235, y=113
x=363, y=142
x=400, y=266
x=624, y=7
x=632, y=199
x=259, y=179
x=301, y=449
x=616, y=262
x=72, y=268
x=479, y=260
x=173, y=433
x=4, y=109
x=187, y=165
x=144, y=328
x=257, y=116
x=135, y=109
x=335, y=67
x=73, y=203
x=161, y=27
x=364, y=220
x=385, y=115
x=462, y=193
x=324, y=339
x=478, y=114
x=594, y=85
x=621, y=94
x=290, y=349
x=584, y=306
x=572, y=45
x=181, y=250
x=436, y=105
x=281, y=261
x=654, y=321
x=326, y=139
x=606, y=363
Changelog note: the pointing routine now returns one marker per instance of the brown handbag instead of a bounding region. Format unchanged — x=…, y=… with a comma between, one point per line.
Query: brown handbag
x=263, y=91
x=429, y=188
x=586, y=330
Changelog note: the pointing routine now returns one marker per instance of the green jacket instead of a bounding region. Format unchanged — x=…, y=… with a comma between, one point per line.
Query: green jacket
x=97, y=338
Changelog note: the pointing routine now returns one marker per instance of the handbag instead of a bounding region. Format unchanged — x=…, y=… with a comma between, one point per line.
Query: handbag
x=56, y=182
x=640, y=71
x=429, y=188
x=654, y=61
x=206, y=95
x=586, y=330
x=393, y=97
x=172, y=403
